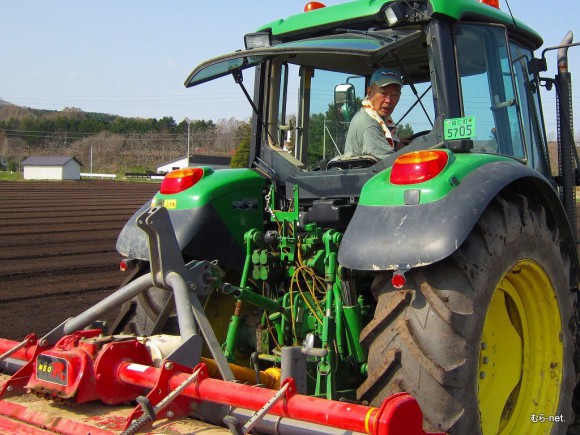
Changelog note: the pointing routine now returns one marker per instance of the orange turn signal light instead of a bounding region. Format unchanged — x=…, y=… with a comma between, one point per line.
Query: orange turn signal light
x=418, y=166
x=180, y=179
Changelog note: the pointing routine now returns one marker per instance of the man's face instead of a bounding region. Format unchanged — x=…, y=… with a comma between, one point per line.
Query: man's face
x=384, y=99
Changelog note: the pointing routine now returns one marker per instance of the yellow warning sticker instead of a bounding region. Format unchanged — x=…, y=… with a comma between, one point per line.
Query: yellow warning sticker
x=170, y=203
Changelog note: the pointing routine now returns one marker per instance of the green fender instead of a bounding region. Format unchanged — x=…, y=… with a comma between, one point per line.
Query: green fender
x=209, y=219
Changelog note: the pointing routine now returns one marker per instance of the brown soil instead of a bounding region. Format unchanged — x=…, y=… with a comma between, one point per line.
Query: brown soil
x=57, y=249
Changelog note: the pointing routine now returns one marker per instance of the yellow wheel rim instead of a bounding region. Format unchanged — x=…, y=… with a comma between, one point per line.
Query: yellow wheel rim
x=521, y=353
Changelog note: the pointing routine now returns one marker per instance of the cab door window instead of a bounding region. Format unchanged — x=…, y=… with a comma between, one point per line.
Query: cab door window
x=527, y=87
x=488, y=89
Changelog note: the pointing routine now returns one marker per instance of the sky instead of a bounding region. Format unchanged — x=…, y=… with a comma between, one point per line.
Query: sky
x=131, y=57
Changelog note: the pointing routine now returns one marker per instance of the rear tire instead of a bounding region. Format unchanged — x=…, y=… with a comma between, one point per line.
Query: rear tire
x=146, y=314
x=483, y=338
x=141, y=315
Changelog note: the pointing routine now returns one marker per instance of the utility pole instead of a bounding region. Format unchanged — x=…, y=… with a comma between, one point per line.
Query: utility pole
x=324, y=139
x=188, y=125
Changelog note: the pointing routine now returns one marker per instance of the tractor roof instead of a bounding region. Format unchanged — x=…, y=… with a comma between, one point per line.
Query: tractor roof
x=353, y=13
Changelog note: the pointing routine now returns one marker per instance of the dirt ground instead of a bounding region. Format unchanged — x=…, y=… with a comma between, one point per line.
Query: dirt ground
x=57, y=248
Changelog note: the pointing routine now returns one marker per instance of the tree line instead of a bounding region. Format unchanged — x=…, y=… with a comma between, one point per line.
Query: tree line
x=110, y=143
x=106, y=143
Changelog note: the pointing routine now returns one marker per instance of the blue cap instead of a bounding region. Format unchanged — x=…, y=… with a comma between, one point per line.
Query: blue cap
x=383, y=77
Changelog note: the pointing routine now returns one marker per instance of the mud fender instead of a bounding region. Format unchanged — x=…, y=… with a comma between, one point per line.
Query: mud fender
x=396, y=237
x=200, y=233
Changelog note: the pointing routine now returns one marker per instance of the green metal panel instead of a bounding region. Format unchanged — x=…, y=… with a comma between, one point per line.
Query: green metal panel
x=236, y=195
x=380, y=191
x=459, y=9
x=325, y=16
x=213, y=185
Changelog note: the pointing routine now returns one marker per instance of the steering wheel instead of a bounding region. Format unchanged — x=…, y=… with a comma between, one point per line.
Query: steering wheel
x=416, y=135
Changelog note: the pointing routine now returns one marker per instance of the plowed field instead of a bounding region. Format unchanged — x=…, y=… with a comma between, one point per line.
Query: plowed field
x=57, y=248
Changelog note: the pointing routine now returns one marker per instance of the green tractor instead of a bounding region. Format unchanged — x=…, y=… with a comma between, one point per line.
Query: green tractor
x=448, y=270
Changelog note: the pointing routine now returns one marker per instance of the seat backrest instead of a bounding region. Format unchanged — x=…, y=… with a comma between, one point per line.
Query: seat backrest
x=353, y=162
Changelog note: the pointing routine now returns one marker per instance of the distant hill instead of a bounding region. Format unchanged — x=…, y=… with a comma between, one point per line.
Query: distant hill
x=13, y=112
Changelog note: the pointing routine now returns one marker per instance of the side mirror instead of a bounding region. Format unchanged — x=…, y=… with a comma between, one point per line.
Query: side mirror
x=344, y=102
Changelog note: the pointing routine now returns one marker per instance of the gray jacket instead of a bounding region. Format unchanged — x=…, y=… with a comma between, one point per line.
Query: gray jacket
x=365, y=136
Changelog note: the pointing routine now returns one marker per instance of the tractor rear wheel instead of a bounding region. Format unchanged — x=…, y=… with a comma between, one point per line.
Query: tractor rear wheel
x=483, y=339
x=153, y=311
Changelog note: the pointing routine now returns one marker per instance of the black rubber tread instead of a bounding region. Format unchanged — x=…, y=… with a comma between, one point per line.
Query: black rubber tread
x=424, y=339
x=150, y=305
x=139, y=315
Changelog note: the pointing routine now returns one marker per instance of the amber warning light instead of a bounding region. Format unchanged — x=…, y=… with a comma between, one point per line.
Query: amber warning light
x=310, y=6
x=493, y=3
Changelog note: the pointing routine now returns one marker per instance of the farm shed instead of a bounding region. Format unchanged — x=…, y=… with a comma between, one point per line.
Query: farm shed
x=51, y=168
x=216, y=162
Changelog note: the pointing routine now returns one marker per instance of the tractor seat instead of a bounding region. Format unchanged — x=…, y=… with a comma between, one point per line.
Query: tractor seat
x=352, y=162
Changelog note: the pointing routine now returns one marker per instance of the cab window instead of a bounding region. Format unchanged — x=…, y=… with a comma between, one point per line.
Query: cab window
x=319, y=124
x=487, y=89
x=528, y=94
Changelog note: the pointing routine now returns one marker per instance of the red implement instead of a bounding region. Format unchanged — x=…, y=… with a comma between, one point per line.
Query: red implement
x=85, y=370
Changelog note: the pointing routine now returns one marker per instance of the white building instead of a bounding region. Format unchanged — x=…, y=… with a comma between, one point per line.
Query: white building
x=216, y=162
x=51, y=168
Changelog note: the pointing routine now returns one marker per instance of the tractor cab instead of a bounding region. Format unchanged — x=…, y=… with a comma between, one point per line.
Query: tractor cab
x=467, y=88
x=306, y=93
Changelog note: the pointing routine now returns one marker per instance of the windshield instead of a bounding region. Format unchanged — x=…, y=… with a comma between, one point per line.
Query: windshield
x=314, y=87
x=317, y=125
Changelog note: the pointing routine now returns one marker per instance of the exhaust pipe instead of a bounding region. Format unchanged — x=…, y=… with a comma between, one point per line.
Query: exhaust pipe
x=563, y=52
x=567, y=149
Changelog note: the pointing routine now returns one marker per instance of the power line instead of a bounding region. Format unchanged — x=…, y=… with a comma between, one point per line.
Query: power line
x=140, y=136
